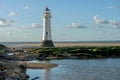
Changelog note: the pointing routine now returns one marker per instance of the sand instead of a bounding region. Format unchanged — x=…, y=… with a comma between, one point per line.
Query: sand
x=88, y=44
x=65, y=45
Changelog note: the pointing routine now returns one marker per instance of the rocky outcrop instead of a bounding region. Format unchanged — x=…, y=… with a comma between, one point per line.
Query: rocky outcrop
x=13, y=71
x=17, y=70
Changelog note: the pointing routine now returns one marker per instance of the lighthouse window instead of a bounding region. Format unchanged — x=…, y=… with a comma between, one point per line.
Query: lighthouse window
x=46, y=33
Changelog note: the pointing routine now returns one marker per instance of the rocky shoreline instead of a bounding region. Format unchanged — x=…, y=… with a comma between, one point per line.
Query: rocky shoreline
x=17, y=70
x=13, y=71
x=13, y=66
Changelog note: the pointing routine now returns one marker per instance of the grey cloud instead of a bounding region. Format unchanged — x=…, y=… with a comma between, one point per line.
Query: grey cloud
x=6, y=22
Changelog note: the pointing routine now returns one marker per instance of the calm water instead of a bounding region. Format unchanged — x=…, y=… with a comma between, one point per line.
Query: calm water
x=68, y=69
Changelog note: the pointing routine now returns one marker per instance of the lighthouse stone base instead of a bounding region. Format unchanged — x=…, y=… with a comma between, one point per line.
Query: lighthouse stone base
x=47, y=43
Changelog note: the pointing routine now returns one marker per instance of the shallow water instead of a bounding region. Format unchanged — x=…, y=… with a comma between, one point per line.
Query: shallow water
x=68, y=69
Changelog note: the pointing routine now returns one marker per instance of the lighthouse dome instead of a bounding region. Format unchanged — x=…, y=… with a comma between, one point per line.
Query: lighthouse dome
x=47, y=9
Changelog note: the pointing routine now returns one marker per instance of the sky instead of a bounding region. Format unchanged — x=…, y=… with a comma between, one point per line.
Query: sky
x=72, y=20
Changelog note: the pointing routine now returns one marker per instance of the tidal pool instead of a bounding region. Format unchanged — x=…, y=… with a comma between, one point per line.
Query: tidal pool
x=70, y=69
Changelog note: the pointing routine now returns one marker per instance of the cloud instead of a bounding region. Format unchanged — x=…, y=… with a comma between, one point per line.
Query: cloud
x=36, y=25
x=114, y=7
x=6, y=22
x=99, y=21
x=115, y=24
x=32, y=26
x=26, y=7
x=76, y=25
x=12, y=13
x=102, y=22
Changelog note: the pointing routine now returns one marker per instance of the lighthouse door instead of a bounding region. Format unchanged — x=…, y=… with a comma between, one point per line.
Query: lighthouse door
x=46, y=35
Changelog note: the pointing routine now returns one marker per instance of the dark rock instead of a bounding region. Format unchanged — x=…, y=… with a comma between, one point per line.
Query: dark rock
x=35, y=78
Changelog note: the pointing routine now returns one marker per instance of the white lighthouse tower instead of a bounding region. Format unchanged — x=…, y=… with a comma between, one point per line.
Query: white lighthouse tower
x=47, y=38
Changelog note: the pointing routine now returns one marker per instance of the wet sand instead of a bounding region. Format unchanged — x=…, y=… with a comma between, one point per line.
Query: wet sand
x=88, y=44
x=35, y=45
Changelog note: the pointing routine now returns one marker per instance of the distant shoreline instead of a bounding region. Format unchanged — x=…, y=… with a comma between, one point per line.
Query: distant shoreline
x=62, y=44
x=36, y=42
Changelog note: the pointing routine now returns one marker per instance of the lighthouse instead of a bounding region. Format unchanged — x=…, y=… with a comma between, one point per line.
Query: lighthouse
x=47, y=37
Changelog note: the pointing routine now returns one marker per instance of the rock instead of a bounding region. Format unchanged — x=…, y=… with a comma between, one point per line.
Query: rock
x=2, y=75
x=13, y=71
x=35, y=78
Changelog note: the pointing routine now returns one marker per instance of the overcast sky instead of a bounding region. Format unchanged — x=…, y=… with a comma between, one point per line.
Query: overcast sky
x=72, y=20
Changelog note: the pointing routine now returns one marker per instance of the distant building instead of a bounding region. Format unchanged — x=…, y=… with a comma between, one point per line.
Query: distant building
x=47, y=37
